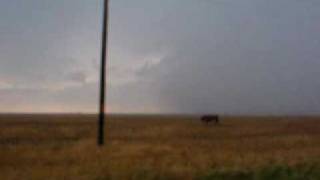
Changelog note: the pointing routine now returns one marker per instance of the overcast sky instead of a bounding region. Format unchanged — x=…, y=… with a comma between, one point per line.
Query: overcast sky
x=166, y=56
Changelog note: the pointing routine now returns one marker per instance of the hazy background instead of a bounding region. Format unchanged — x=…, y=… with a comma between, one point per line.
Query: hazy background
x=168, y=56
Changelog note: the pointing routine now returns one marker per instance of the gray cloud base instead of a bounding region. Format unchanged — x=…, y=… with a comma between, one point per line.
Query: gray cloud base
x=170, y=56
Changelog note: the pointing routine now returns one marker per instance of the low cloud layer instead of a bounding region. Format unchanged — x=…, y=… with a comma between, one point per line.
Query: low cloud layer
x=208, y=56
x=248, y=57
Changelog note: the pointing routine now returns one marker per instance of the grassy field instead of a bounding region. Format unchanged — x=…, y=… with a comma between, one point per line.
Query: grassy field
x=158, y=147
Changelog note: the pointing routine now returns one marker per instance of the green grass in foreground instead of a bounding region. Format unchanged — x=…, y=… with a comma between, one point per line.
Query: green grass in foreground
x=279, y=172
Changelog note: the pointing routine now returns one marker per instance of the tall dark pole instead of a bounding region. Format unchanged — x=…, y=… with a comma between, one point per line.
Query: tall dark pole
x=103, y=73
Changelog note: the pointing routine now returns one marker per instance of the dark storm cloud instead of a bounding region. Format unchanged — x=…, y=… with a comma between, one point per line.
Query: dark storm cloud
x=248, y=57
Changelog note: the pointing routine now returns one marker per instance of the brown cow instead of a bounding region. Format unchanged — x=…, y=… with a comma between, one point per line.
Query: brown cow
x=208, y=118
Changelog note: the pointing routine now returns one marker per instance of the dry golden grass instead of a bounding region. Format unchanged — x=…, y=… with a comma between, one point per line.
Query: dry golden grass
x=143, y=147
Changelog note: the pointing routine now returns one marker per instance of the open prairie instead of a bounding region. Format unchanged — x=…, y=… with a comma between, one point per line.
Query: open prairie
x=159, y=147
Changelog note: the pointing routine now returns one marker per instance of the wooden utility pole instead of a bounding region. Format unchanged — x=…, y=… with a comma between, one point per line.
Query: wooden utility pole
x=104, y=55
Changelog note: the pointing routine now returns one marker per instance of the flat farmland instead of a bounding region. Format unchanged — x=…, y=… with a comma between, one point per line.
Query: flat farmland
x=158, y=147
